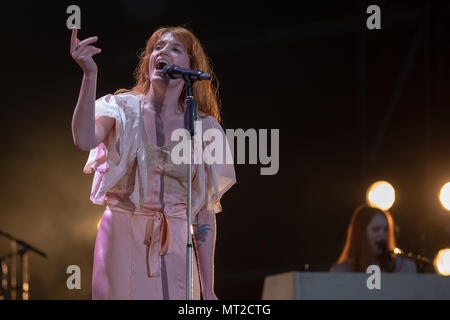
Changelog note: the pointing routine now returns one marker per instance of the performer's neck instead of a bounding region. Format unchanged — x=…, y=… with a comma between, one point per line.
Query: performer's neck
x=164, y=99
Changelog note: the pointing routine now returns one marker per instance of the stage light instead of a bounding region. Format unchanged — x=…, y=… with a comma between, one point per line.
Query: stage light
x=398, y=251
x=442, y=262
x=381, y=194
x=444, y=196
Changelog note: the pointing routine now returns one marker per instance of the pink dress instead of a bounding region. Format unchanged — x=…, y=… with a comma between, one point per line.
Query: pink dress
x=140, y=249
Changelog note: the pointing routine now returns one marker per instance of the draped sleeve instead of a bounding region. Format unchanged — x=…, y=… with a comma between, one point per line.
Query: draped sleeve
x=214, y=176
x=109, y=159
x=100, y=156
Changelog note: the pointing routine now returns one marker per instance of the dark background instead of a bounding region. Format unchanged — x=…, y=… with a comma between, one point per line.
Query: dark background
x=353, y=106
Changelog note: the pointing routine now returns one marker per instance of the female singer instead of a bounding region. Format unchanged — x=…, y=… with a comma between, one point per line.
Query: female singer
x=140, y=249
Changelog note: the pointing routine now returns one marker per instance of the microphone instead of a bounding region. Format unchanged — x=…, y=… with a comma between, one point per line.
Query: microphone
x=382, y=246
x=420, y=261
x=385, y=252
x=175, y=72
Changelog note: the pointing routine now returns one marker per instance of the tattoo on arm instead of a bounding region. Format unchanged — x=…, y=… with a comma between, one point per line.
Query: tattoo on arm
x=201, y=232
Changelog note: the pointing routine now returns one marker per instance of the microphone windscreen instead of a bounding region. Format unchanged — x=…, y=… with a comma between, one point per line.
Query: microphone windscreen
x=382, y=245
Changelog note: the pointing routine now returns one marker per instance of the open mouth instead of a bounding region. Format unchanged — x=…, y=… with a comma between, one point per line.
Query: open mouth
x=160, y=64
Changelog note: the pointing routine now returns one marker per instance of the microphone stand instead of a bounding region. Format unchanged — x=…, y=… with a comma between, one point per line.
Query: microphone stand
x=420, y=261
x=24, y=264
x=190, y=116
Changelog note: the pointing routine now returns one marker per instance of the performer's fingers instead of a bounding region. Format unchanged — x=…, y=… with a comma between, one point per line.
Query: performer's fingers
x=95, y=50
x=85, y=42
x=73, y=39
x=86, y=52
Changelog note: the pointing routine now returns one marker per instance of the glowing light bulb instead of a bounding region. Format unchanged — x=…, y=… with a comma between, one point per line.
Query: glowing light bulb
x=444, y=196
x=381, y=194
x=442, y=262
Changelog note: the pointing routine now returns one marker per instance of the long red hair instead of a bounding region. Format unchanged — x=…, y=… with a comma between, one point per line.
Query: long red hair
x=206, y=92
x=357, y=247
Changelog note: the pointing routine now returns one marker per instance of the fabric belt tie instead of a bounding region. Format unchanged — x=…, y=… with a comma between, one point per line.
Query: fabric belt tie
x=157, y=237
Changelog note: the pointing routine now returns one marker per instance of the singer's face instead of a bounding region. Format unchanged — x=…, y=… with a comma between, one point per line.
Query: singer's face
x=170, y=50
x=377, y=230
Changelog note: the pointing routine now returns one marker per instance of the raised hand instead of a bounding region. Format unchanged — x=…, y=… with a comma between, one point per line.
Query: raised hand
x=82, y=52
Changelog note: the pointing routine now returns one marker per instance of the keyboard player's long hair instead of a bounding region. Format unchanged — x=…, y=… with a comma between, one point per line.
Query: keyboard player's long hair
x=357, y=248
